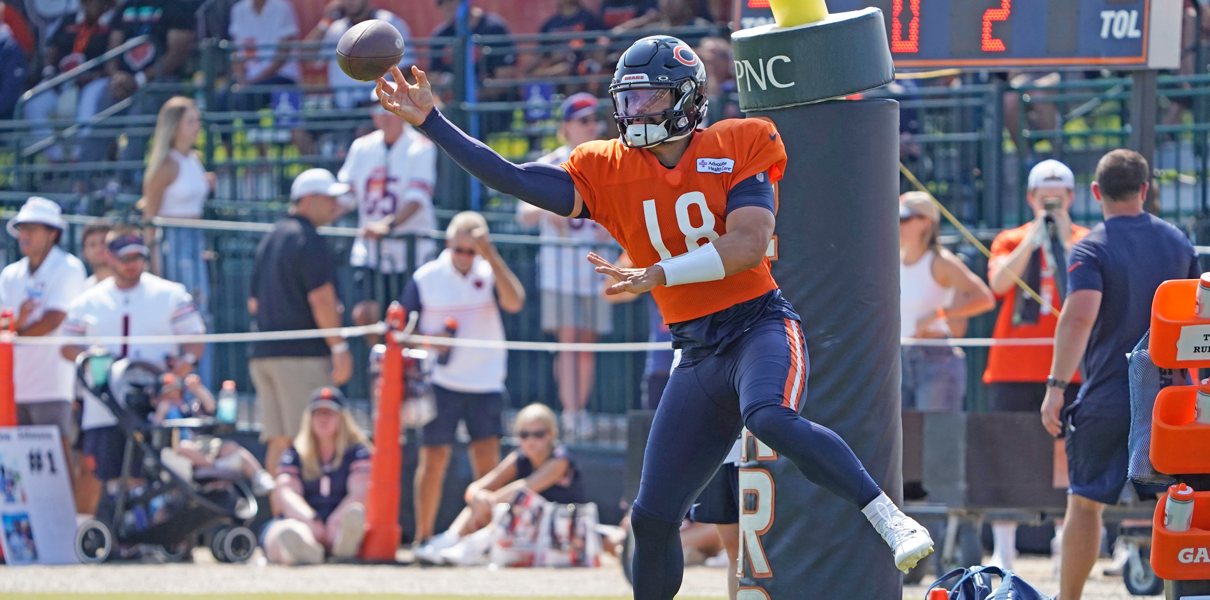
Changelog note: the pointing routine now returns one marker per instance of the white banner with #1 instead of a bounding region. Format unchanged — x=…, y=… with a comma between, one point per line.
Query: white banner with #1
x=37, y=510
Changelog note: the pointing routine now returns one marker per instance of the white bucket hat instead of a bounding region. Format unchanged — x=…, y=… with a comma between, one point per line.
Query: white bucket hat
x=38, y=210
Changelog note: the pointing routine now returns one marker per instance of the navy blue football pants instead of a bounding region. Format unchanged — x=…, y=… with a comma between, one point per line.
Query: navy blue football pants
x=756, y=382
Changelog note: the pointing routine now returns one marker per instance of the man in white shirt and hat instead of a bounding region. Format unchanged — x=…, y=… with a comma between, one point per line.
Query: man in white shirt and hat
x=38, y=290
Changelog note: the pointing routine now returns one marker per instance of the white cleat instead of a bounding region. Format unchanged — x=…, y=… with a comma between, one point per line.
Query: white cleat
x=909, y=540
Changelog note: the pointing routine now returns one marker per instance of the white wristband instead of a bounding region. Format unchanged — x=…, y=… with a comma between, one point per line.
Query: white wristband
x=339, y=348
x=696, y=266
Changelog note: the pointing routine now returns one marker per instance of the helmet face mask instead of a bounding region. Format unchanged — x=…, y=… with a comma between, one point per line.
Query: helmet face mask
x=658, y=92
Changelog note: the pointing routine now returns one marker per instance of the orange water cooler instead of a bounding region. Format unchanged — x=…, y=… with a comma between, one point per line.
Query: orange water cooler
x=1180, y=444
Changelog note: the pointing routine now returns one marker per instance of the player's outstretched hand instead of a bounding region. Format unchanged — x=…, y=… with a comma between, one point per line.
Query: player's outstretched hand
x=412, y=101
x=635, y=281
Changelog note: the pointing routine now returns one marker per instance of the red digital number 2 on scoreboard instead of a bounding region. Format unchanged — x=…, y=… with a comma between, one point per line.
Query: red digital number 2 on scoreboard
x=991, y=43
x=910, y=43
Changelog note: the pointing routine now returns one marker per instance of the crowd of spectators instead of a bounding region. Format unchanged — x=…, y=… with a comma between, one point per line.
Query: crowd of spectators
x=267, y=69
x=269, y=64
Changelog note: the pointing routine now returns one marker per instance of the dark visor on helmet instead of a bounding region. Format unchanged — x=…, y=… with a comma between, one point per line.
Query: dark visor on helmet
x=644, y=102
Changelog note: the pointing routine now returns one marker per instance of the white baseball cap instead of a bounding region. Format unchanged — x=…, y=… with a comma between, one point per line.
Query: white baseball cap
x=317, y=182
x=38, y=210
x=1051, y=173
x=914, y=204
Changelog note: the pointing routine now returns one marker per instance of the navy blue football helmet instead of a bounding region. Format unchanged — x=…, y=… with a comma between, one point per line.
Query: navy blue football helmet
x=658, y=91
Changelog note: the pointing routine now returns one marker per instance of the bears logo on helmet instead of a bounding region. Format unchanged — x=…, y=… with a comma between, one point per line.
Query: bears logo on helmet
x=658, y=91
x=685, y=55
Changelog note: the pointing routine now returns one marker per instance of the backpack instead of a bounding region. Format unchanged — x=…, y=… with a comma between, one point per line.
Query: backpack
x=532, y=532
x=517, y=529
x=1146, y=381
x=569, y=537
x=975, y=583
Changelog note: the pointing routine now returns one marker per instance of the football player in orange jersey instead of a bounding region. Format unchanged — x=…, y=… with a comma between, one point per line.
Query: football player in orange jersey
x=694, y=208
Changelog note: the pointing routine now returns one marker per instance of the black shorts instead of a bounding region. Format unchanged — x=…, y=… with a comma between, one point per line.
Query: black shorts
x=1014, y=396
x=1097, y=434
x=365, y=284
x=103, y=450
x=481, y=412
x=719, y=501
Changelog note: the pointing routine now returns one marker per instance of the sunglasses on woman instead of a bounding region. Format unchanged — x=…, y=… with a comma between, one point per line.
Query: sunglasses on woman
x=539, y=434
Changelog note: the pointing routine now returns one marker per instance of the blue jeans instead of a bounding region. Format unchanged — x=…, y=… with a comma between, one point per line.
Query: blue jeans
x=183, y=259
x=934, y=378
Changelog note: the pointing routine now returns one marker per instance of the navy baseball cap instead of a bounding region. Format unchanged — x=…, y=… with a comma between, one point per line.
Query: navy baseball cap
x=327, y=397
x=129, y=244
x=578, y=105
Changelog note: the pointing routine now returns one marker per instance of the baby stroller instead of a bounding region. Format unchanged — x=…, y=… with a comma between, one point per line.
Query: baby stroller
x=166, y=512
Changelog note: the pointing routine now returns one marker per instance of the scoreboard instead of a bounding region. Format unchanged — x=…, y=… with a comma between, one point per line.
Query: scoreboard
x=1018, y=34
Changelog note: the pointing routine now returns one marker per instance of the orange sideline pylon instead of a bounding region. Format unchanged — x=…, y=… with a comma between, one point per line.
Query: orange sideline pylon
x=386, y=466
x=8, y=396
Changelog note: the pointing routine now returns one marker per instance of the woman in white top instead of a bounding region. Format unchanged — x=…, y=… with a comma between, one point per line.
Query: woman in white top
x=572, y=307
x=176, y=184
x=937, y=288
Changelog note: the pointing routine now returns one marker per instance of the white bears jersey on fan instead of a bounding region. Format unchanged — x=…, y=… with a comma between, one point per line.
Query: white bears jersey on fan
x=153, y=307
x=384, y=181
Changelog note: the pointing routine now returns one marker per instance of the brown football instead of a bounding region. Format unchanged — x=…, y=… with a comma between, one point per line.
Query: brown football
x=368, y=49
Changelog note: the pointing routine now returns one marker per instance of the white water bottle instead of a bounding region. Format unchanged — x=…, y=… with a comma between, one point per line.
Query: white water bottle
x=1201, y=405
x=1178, y=510
x=1203, y=297
x=228, y=404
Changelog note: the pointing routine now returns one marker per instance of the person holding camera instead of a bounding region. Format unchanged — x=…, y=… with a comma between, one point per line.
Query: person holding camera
x=1035, y=252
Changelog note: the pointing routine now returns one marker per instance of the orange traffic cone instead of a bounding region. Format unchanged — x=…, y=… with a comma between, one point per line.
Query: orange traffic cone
x=382, y=499
x=8, y=397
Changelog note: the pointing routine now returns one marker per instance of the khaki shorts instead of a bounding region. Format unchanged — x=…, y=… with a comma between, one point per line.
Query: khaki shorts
x=283, y=388
x=48, y=412
x=583, y=312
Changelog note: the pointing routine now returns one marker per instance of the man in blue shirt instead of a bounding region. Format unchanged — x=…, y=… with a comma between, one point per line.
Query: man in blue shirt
x=1112, y=276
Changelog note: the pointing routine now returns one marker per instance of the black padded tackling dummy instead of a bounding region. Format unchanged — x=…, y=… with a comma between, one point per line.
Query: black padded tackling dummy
x=837, y=261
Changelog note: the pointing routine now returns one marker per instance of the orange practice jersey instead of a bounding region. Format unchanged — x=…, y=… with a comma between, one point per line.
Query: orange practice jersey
x=656, y=213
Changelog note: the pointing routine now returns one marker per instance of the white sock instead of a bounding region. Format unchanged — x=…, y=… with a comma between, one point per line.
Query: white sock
x=1004, y=534
x=879, y=508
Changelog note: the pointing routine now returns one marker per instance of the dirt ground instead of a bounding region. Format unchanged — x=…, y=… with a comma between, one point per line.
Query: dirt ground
x=204, y=576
